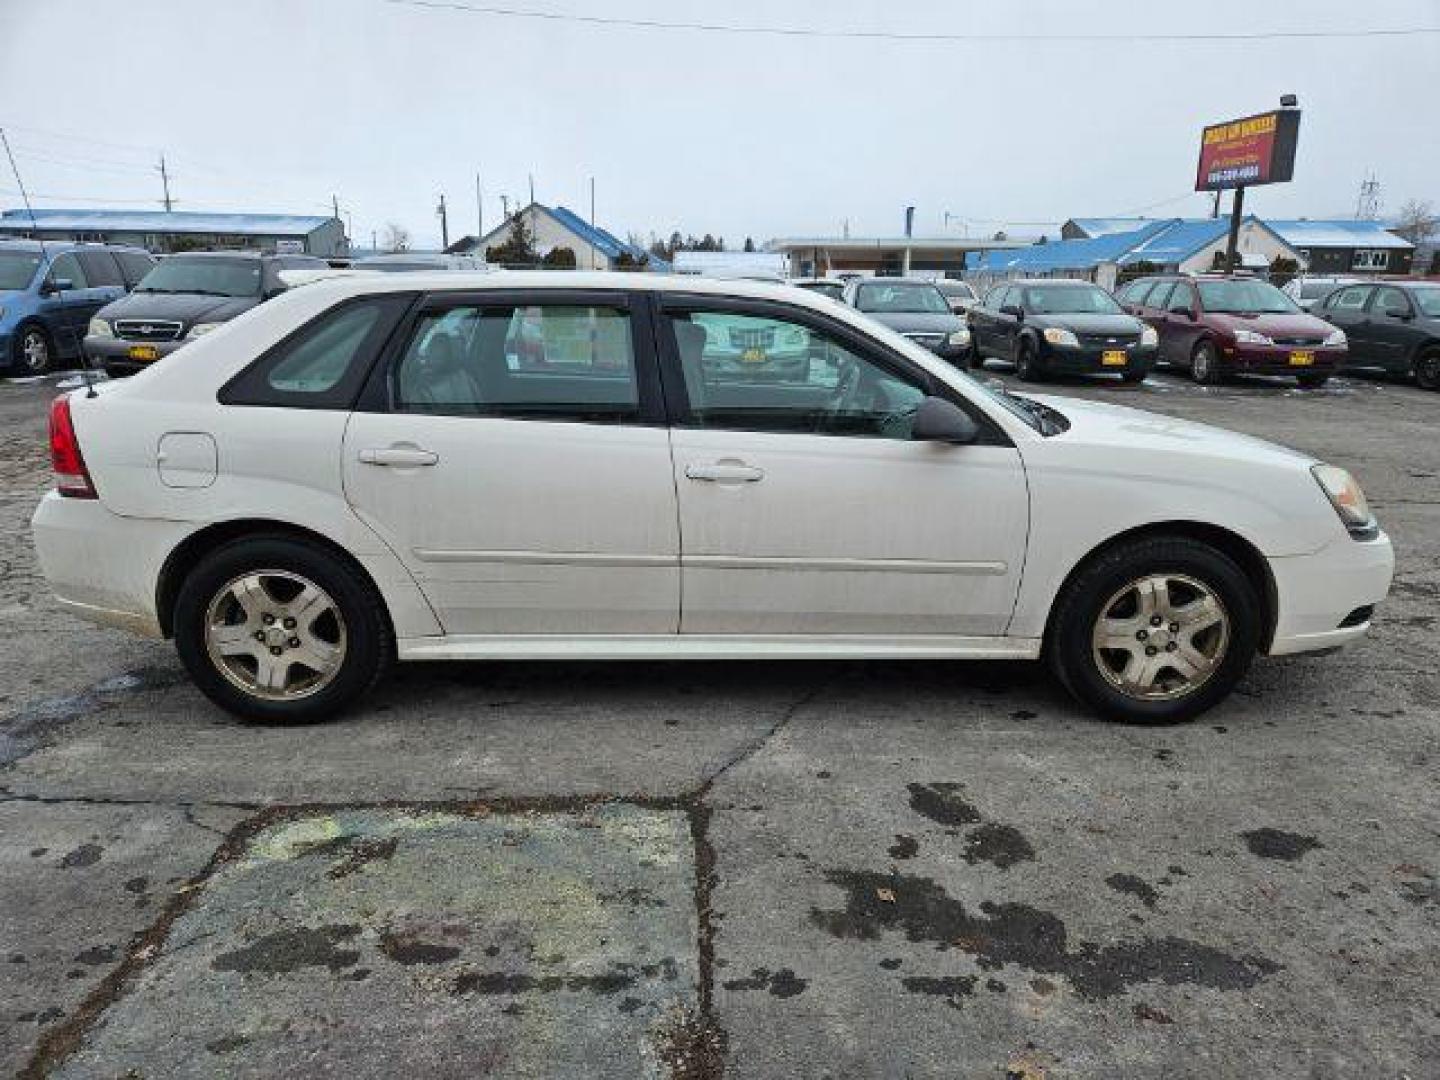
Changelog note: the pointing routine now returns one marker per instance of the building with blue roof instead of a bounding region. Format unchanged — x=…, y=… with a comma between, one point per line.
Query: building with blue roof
x=555, y=227
x=1170, y=244
x=181, y=230
x=1347, y=247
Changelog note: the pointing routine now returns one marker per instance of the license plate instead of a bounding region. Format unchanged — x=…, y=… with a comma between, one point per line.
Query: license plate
x=143, y=352
x=1302, y=359
x=1113, y=358
x=753, y=356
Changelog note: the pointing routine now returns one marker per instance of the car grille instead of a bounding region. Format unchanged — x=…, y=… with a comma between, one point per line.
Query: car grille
x=1112, y=341
x=1309, y=341
x=148, y=329
x=752, y=338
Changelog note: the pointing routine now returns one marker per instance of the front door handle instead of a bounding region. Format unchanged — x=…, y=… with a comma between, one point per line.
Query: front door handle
x=404, y=457
x=725, y=472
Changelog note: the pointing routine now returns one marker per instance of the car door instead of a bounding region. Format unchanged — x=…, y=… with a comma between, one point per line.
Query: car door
x=1183, y=328
x=980, y=319
x=105, y=279
x=1347, y=309
x=1152, y=313
x=66, y=312
x=1391, y=329
x=1006, y=331
x=513, y=454
x=805, y=508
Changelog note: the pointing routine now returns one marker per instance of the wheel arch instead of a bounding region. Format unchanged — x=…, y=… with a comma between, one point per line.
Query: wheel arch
x=197, y=545
x=1240, y=550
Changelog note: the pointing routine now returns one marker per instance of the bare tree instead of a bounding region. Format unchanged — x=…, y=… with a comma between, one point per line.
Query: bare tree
x=395, y=238
x=1417, y=221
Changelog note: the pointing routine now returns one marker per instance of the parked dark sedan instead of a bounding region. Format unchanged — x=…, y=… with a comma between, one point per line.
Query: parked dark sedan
x=1394, y=327
x=1215, y=325
x=183, y=297
x=916, y=309
x=1056, y=326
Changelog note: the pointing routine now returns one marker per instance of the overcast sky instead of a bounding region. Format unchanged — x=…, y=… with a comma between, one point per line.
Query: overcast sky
x=275, y=105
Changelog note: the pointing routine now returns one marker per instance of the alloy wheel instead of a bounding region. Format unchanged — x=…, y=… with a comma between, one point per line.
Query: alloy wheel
x=1160, y=637
x=1427, y=371
x=275, y=635
x=35, y=352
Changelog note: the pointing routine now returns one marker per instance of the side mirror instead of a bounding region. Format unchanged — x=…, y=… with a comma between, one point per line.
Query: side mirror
x=1013, y=310
x=938, y=420
x=54, y=285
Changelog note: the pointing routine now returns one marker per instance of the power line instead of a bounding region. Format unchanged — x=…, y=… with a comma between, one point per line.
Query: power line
x=894, y=35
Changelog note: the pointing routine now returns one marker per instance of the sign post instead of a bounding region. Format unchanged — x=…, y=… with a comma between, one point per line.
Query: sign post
x=1242, y=153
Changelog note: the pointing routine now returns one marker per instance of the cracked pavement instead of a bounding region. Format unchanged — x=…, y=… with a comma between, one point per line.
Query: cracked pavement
x=802, y=869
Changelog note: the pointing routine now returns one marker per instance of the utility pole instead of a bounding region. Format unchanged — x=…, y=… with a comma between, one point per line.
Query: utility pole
x=505, y=206
x=1367, y=207
x=165, y=183
x=373, y=245
x=335, y=205
x=1215, y=206
x=444, y=224
x=532, y=189
x=592, y=220
x=479, y=209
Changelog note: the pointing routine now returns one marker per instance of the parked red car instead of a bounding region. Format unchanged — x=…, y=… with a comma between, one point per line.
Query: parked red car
x=1214, y=325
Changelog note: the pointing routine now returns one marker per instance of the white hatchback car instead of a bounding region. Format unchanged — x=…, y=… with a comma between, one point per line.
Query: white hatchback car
x=547, y=466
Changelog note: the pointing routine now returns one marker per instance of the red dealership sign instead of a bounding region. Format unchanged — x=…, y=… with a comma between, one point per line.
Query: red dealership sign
x=1254, y=150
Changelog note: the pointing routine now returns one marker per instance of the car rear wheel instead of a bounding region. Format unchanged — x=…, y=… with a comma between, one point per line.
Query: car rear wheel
x=1155, y=631
x=34, y=355
x=1027, y=364
x=278, y=629
x=1427, y=370
x=1205, y=364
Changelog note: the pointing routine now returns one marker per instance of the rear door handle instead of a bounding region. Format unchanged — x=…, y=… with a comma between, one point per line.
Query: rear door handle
x=405, y=457
x=725, y=472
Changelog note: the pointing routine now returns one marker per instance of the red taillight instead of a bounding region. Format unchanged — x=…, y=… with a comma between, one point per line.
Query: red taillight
x=72, y=478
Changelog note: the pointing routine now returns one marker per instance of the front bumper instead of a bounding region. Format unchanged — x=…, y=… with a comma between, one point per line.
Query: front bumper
x=1276, y=359
x=1316, y=593
x=1090, y=359
x=113, y=354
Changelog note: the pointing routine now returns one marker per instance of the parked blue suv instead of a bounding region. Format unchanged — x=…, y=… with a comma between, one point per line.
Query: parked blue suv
x=48, y=294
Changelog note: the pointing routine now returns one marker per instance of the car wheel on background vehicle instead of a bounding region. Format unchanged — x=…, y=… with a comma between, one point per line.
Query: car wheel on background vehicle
x=1205, y=364
x=34, y=354
x=1312, y=382
x=1027, y=364
x=1427, y=370
x=1154, y=630
x=278, y=629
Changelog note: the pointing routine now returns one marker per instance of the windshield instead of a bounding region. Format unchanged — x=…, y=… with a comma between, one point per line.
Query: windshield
x=825, y=288
x=1313, y=290
x=1427, y=298
x=17, y=269
x=901, y=297
x=1244, y=298
x=207, y=277
x=1070, y=300
x=957, y=289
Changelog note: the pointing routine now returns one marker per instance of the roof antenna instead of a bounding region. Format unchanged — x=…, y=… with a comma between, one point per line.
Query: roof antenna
x=44, y=254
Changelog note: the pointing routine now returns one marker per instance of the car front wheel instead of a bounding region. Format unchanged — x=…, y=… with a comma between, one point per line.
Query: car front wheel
x=33, y=353
x=1205, y=364
x=1027, y=364
x=278, y=629
x=1155, y=631
x=1427, y=370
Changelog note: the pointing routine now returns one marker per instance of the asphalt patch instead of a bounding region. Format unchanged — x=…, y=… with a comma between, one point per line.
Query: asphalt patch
x=1279, y=844
x=941, y=802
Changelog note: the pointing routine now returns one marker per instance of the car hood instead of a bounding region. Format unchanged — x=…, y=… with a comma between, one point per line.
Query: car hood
x=1089, y=323
x=1100, y=424
x=188, y=308
x=1286, y=323
x=919, y=322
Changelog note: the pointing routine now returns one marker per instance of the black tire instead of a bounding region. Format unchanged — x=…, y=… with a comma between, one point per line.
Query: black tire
x=34, y=352
x=1312, y=382
x=1427, y=370
x=1078, y=608
x=1027, y=363
x=1205, y=364
x=369, y=640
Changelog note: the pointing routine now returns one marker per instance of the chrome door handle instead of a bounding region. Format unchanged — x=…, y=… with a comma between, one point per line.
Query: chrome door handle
x=725, y=472
x=405, y=457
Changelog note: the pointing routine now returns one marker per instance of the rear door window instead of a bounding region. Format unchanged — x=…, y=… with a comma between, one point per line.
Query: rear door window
x=1159, y=295
x=67, y=268
x=101, y=269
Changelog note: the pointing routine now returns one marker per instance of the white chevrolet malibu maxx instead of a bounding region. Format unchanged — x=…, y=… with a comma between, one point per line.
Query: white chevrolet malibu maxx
x=562, y=466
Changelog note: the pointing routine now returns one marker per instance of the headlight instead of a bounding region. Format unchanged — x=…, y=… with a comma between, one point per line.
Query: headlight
x=1347, y=498
x=1337, y=340
x=201, y=328
x=1149, y=337
x=960, y=337
x=1055, y=336
x=99, y=328
x=1250, y=337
